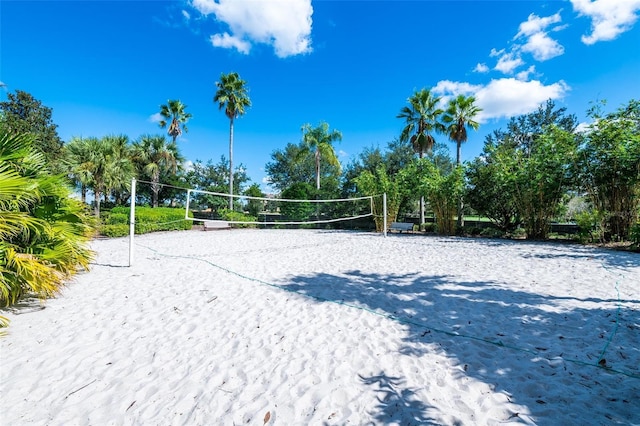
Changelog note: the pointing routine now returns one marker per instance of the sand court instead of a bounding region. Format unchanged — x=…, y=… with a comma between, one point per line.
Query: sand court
x=300, y=327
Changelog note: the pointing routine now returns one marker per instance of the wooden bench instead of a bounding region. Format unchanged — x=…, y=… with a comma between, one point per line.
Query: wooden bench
x=401, y=226
x=209, y=225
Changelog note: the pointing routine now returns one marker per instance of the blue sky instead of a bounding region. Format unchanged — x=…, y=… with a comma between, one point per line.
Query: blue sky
x=105, y=67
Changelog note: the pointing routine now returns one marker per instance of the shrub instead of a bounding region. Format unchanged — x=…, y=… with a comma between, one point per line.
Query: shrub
x=634, y=236
x=44, y=232
x=428, y=227
x=491, y=233
x=588, y=226
x=234, y=216
x=116, y=222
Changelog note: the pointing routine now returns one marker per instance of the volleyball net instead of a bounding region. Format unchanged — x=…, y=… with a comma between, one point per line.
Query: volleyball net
x=246, y=210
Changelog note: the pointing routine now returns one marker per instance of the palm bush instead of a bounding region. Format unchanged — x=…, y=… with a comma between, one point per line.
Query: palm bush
x=44, y=233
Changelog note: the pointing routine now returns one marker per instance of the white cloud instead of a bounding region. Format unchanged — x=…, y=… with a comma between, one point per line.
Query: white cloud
x=284, y=24
x=156, y=118
x=481, y=68
x=542, y=47
x=508, y=62
x=524, y=75
x=186, y=15
x=538, y=42
x=609, y=18
x=227, y=41
x=505, y=97
x=535, y=24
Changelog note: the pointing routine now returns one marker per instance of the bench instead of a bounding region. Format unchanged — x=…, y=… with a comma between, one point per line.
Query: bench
x=401, y=226
x=208, y=225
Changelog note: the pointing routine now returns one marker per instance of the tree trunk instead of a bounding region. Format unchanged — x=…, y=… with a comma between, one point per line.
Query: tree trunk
x=460, y=222
x=231, y=163
x=97, y=197
x=421, y=202
x=317, y=170
x=155, y=188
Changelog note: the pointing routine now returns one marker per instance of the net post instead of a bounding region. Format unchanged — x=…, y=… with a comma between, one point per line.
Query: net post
x=132, y=219
x=384, y=213
x=186, y=208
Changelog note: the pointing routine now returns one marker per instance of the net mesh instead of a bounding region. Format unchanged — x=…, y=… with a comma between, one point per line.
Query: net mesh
x=214, y=206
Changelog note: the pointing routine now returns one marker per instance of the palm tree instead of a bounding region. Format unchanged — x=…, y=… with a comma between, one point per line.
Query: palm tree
x=319, y=141
x=44, y=233
x=154, y=155
x=121, y=168
x=173, y=114
x=76, y=157
x=232, y=96
x=422, y=119
x=109, y=165
x=459, y=116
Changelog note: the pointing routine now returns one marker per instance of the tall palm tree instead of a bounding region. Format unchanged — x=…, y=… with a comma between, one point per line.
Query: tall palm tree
x=319, y=141
x=232, y=96
x=155, y=154
x=459, y=116
x=422, y=120
x=174, y=114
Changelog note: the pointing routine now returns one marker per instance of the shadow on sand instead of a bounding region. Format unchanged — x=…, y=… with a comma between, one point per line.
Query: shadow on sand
x=531, y=347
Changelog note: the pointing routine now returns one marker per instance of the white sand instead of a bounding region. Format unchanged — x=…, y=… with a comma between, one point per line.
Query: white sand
x=336, y=328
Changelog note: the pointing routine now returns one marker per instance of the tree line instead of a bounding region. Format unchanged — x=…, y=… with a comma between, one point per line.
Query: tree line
x=542, y=167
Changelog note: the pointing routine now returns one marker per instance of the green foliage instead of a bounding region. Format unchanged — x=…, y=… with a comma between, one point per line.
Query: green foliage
x=459, y=116
x=491, y=193
x=542, y=178
x=174, y=115
x=102, y=165
x=234, y=216
x=298, y=211
x=154, y=156
x=318, y=141
x=254, y=207
x=295, y=163
x=22, y=113
x=524, y=173
x=634, y=236
x=589, y=230
x=214, y=178
x=44, y=233
x=610, y=168
x=428, y=227
x=422, y=120
x=442, y=189
x=492, y=233
x=377, y=183
x=116, y=221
